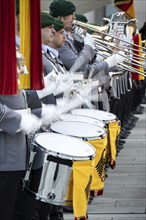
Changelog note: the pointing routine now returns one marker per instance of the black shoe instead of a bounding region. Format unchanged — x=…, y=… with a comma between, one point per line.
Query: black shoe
x=139, y=110
x=143, y=101
x=128, y=127
x=119, y=147
x=92, y=195
x=125, y=131
x=122, y=136
x=106, y=175
x=121, y=141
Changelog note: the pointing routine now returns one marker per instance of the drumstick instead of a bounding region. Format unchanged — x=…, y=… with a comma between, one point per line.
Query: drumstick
x=75, y=103
x=27, y=174
x=90, y=74
x=87, y=102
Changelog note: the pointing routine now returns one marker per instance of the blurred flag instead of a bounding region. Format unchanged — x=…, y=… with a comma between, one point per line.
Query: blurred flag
x=8, y=73
x=31, y=44
x=127, y=6
x=137, y=51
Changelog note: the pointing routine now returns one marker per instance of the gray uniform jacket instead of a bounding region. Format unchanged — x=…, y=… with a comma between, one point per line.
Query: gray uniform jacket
x=50, y=64
x=80, y=61
x=13, y=147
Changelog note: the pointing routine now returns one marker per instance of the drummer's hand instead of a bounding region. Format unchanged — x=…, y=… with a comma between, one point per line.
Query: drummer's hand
x=29, y=123
x=49, y=113
x=63, y=87
x=50, y=84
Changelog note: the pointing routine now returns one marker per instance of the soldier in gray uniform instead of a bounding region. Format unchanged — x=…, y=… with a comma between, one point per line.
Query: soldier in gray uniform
x=64, y=10
x=50, y=28
x=85, y=58
x=14, y=151
x=24, y=205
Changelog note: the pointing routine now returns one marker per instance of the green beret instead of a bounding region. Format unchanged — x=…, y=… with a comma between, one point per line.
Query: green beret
x=46, y=19
x=17, y=7
x=58, y=25
x=81, y=18
x=61, y=8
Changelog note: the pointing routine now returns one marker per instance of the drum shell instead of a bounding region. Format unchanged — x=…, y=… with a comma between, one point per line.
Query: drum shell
x=98, y=139
x=48, y=178
x=48, y=173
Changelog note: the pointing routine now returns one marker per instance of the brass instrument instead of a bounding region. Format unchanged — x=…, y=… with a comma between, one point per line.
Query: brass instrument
x=111, y=47
x=21, y=67
x=103, y=31
x=107, y=48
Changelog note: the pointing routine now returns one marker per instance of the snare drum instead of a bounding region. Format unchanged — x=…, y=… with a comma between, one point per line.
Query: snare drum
x=113, y=127
x=79, y=187
x=94, y=135
x=107, y=117
x=81, y=118
x=55, y=154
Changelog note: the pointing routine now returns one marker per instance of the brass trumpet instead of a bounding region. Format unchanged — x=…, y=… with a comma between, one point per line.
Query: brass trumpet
x=103, y=31
x=111, y=47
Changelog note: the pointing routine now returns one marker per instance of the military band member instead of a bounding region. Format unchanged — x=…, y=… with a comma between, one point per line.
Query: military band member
x=52, y=39
x=25, y=203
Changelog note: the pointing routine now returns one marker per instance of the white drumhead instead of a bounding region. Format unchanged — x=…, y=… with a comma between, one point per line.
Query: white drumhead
x=81, y=118
x=94, y=113
x=65, y=147
x=78, y=129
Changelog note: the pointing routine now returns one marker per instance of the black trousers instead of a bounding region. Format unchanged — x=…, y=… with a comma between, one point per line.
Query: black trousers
x=26, y=201
x=9, y=183
x=46, y=211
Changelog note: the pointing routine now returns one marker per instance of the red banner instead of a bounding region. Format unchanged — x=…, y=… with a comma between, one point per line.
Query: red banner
x=8, y=73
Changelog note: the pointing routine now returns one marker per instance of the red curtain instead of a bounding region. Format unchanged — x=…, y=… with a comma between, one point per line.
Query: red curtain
x=36, y=46
x=8, y=73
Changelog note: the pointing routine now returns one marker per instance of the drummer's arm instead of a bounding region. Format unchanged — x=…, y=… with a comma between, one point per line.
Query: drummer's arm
x=33, y=102
x=9, y=120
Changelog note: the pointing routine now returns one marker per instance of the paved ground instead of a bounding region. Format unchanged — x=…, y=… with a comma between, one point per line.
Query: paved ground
x=124, y=195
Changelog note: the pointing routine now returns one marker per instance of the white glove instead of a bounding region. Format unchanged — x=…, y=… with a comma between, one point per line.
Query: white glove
x=52, y=76
x=63, y=78
x=49, y=113
x=50, y=82
x=111, y=61
x=64, y=86
x=78, y=31
x=46, y=91
x=88, y=39
x=86, y=90
x=120, y=57
x=78, y=90
x=29, y=123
